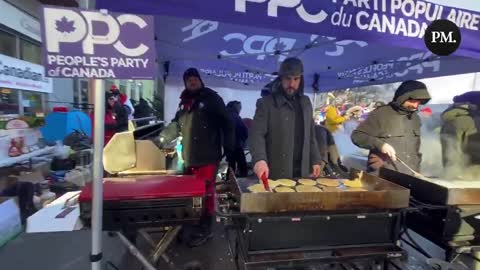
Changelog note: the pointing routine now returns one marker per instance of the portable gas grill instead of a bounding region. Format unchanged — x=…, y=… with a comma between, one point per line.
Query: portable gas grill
x=145, y=198
x=305, y=229
x=147, y=201
x=447, y=215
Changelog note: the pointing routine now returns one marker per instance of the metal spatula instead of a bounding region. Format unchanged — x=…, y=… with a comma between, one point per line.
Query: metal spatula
x=415, y=173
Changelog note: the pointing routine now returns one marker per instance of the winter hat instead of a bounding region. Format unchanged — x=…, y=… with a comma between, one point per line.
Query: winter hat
x=412, y=90
x=468, y=97
x=291, y=66
x=191, y=72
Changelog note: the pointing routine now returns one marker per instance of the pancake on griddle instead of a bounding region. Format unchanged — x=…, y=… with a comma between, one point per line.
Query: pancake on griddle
x=284, y=189
x=257, y=188
x=287, y=182
x=307, y=182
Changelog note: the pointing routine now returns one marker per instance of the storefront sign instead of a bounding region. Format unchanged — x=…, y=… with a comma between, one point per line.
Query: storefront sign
x=19, y=21
x=92, y=44
x=16, y=124
x=18, y=74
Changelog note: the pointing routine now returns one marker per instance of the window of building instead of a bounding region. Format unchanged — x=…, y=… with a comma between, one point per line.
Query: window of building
x=8, y=44
x=80, y=95
x=8, y=101
x=32, y=103
x=30, y=51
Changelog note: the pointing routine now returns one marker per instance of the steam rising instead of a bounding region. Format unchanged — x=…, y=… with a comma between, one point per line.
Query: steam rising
x=431, y=149
x=458, y=168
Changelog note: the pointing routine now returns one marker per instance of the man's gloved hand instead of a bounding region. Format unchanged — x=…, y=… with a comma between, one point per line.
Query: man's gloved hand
x=260, y=168
x=389, y=151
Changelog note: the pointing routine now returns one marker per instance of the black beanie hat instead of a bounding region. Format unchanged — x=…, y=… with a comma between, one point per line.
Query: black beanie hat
x=191, y=72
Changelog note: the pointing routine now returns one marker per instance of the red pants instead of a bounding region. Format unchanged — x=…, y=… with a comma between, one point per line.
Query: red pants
x=209, y=173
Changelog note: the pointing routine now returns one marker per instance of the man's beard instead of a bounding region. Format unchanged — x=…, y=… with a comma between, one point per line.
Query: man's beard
x=291, y=92
x=194, y=89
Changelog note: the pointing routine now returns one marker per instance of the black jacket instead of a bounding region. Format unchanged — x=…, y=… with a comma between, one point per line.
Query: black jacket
x=121, y=114
x=241, y=131
x=324, y=140
x=393, y=125
x=204, y=127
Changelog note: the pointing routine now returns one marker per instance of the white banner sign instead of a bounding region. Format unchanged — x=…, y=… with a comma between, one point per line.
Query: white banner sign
x=18, y=74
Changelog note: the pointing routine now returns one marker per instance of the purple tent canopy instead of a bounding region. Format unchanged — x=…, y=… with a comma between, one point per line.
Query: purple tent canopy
x=240, y=43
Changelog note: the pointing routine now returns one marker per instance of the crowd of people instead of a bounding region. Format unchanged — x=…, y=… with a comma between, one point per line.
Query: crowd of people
x=119, y=109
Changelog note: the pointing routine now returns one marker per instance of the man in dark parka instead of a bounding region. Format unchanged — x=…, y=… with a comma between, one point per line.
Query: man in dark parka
x=393, y=131
x=282, y=137
x=205, y=126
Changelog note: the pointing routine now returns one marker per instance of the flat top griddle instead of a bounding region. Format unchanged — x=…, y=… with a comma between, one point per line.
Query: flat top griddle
x=379, y=194
x=435, y=190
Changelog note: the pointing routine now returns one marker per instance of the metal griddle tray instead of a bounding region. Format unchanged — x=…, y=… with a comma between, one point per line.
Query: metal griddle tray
x=431, y=192
x=379, y=194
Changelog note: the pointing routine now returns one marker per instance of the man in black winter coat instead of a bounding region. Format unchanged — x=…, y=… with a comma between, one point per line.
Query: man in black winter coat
x=202, y=122
x=392, y=132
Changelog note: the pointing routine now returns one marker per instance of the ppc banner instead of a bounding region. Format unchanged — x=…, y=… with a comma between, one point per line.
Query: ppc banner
x=401, y=23
x=94, y=44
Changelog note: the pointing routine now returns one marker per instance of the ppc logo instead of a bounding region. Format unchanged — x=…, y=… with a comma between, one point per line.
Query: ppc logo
x=442, y=37
x=199, y=28
x=76, y=26
x=273, y=6
x=259, y=45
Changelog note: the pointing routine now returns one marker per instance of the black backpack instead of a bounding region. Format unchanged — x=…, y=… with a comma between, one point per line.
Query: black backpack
x=77, y=140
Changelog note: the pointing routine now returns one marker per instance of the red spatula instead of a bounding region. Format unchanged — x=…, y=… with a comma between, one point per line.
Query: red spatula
x=265, y=182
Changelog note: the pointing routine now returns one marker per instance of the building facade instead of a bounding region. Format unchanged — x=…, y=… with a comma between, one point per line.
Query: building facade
x=24, y=89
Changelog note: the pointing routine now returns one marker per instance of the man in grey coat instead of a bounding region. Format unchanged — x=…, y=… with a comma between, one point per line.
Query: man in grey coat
x=282, y=137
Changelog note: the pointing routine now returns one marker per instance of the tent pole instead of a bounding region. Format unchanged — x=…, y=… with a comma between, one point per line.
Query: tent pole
x=97, y=185
x=97, y=199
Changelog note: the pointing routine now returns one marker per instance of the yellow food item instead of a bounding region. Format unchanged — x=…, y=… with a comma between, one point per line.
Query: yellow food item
x=304, y=188
x=257, y=188
x=329, y=182
x=273, y=184
x=286, y=182
x=307, y=182
x=356, y=183
x=284, y=189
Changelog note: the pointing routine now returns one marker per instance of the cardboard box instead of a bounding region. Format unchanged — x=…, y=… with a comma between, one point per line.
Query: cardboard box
x=10, y=223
